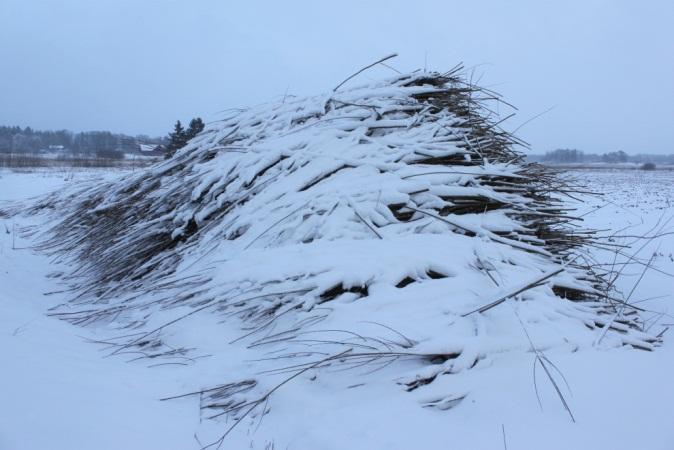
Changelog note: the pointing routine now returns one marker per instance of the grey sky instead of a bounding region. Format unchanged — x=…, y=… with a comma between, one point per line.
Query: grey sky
x=607, y=67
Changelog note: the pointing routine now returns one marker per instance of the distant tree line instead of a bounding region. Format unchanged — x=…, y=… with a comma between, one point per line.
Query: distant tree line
x=102, y=144
x=564, y=155
x=573, y=156
x=26, y=147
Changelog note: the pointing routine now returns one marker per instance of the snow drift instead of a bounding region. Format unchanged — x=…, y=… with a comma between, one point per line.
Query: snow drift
x=392, y=229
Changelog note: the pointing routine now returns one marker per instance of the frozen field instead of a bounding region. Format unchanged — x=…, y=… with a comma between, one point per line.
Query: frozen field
x=58, y=391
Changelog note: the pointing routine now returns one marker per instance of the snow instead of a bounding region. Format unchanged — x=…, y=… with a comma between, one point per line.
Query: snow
x=57, y=390
x=61, y=392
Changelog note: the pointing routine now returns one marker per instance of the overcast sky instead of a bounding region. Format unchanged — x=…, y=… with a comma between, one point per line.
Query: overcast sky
x=606, y=68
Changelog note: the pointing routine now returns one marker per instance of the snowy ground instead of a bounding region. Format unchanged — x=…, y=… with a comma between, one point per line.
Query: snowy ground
x=58, y=391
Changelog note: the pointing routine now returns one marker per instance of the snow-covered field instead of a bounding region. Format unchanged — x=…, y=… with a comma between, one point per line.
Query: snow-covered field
x=58, y=391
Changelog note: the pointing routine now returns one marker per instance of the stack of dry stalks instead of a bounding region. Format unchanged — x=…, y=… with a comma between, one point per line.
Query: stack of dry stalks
x=401, y=203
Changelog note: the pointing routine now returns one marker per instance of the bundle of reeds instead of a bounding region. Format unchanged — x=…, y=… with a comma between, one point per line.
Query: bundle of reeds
x=395, y=221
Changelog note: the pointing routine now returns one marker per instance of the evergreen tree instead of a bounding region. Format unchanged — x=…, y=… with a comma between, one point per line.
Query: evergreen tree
x=180, y=136
x=178, y=139
x=196, y=126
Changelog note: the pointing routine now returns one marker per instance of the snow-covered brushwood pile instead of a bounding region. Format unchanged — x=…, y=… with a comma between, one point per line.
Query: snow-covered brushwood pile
x=391, y=229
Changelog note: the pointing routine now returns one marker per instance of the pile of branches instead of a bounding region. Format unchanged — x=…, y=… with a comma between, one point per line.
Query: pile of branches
x=394, y=221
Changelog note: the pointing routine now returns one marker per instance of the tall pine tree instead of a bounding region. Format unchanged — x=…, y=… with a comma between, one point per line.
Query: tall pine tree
x=178, y=139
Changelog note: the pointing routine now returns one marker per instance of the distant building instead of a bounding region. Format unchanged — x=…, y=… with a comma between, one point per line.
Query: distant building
x=58, y=148
x=148, y=148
